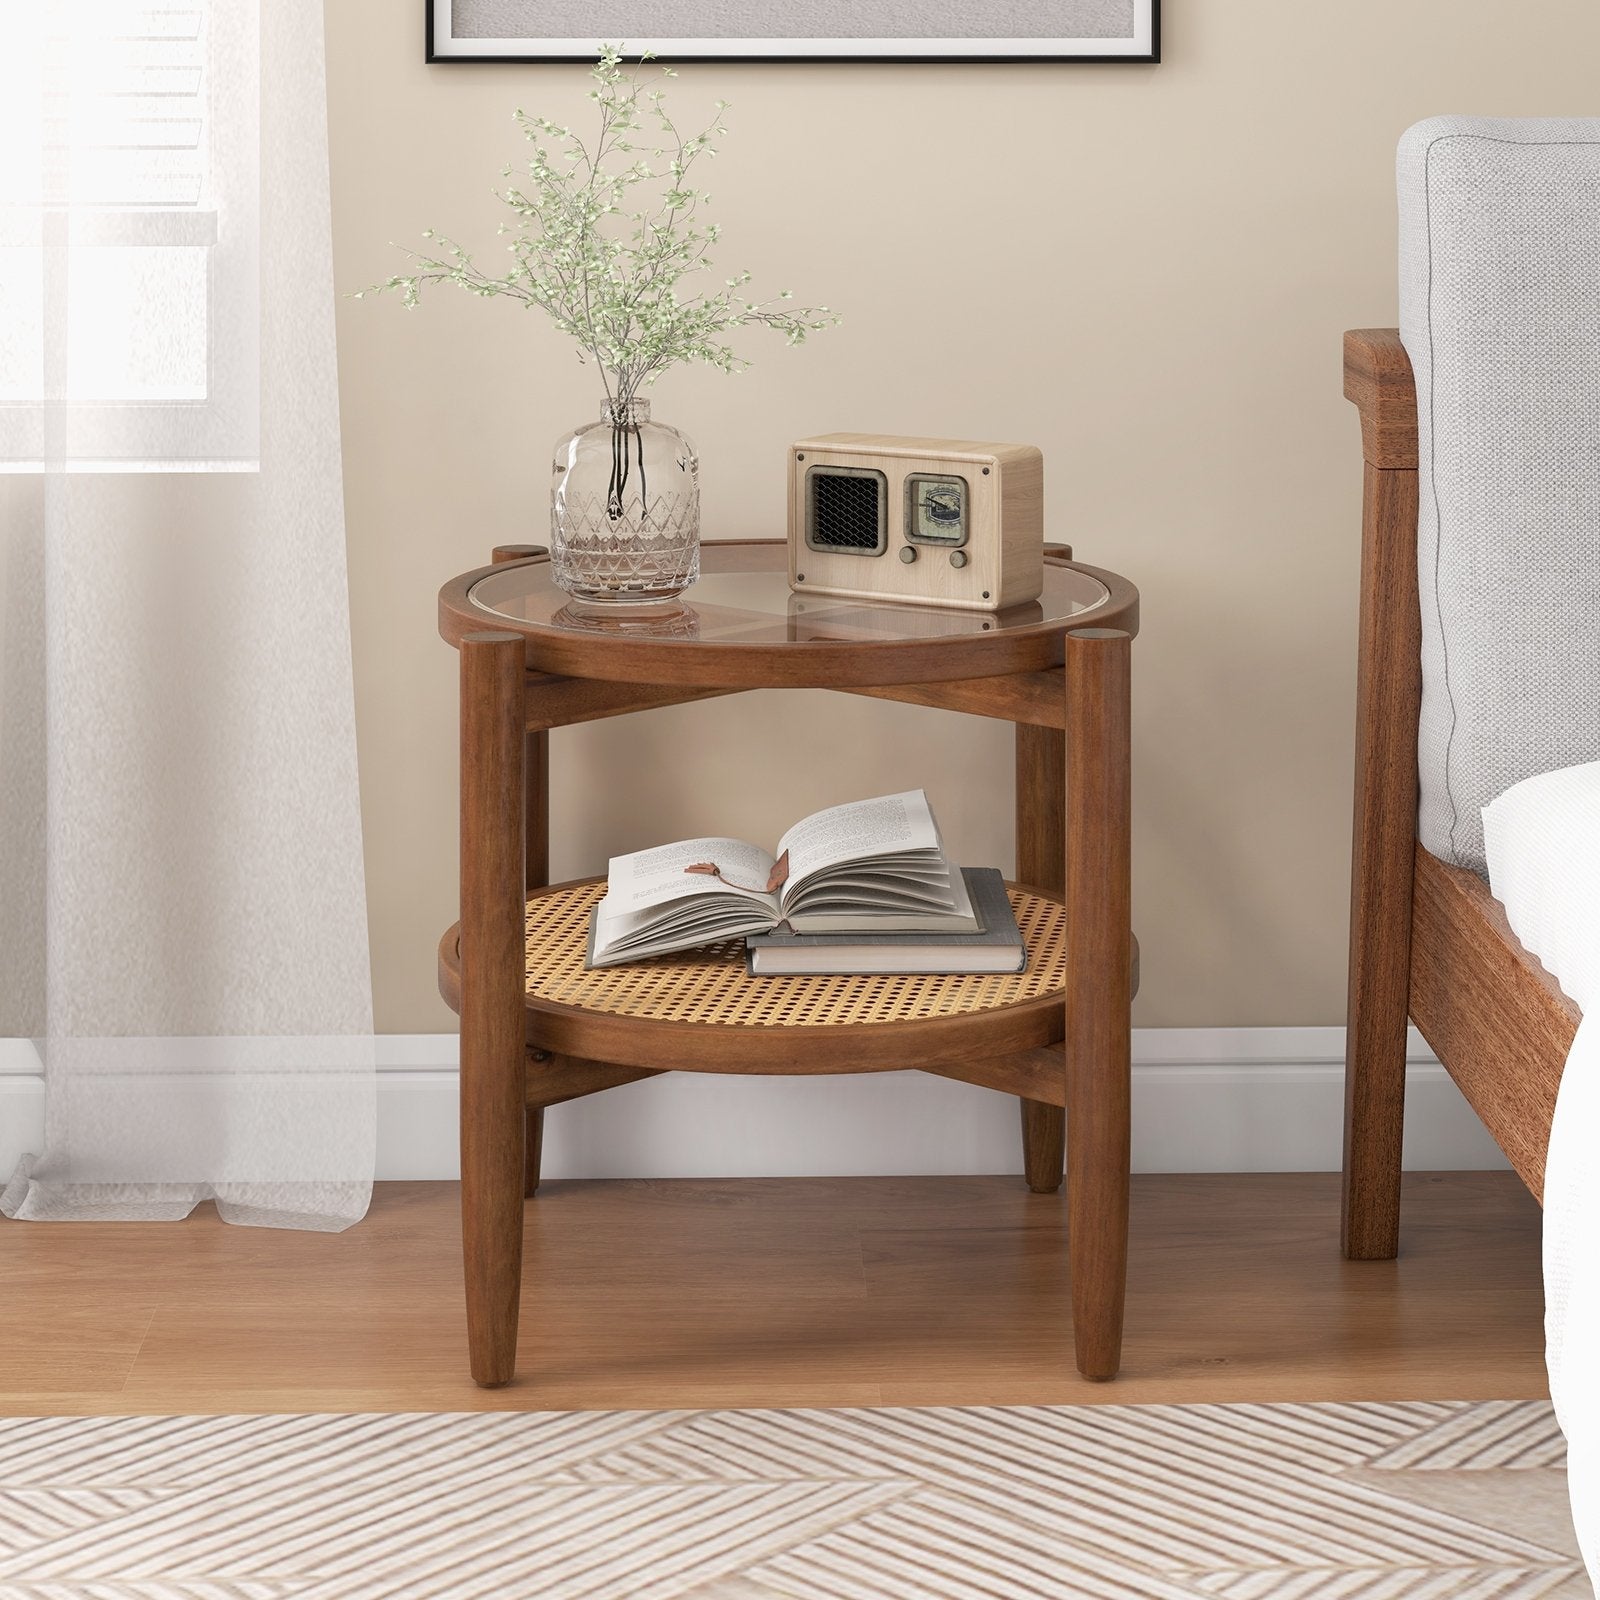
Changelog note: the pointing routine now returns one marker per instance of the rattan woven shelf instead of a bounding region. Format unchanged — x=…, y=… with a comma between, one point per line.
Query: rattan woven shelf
x=711, y=988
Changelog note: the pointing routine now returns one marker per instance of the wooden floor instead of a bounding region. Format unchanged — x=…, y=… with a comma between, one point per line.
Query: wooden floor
x=895, y=1291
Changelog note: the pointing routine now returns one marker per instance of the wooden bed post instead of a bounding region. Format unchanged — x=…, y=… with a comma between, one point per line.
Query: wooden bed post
x=1378, y=378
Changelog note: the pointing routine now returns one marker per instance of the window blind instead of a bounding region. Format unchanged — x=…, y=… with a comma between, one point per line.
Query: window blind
x=129, y=134
x=124, y=121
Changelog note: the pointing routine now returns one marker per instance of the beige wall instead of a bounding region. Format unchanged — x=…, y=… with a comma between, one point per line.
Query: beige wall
x=1145, y=271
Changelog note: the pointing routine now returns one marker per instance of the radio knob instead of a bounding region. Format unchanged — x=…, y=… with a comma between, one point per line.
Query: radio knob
x=958, y=558
x=907, y=554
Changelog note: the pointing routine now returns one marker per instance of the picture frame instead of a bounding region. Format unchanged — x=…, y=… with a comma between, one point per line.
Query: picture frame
x=504, y=31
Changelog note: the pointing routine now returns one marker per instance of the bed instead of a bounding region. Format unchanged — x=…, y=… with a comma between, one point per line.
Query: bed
x=1478, y=690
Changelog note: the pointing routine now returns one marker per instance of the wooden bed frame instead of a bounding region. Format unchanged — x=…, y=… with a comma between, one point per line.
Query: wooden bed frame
x=1427, y=940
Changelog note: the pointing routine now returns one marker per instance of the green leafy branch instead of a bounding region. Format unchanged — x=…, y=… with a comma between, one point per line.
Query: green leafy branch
x=604, y=236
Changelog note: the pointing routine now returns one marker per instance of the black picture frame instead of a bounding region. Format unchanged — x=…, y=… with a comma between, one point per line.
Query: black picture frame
x=441, y=53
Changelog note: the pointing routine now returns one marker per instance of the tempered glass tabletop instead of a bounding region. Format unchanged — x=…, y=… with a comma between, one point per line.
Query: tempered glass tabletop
x=743, y=597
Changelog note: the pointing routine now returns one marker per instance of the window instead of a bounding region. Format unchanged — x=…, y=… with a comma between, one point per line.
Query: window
x=129, y=290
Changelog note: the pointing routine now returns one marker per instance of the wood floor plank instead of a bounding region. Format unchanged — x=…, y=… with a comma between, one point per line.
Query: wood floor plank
x=782, y=1292
x=83, y=1350
x=70, y=1323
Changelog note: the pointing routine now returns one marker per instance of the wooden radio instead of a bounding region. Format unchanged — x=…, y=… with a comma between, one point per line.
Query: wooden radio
x=935, y=522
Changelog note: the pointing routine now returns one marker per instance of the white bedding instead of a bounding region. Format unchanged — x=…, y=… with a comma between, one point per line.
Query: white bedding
x=1542, y=839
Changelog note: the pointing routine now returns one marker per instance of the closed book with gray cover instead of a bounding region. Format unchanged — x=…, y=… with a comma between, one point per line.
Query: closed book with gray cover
x=996, y=947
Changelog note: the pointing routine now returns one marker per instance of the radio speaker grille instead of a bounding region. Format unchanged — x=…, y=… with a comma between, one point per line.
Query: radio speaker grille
x=846, y=510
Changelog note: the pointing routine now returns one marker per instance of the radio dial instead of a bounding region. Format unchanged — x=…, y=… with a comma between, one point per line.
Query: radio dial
x=907, y=554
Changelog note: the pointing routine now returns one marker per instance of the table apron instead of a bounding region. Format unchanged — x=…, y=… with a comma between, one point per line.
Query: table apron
x=1038, y=1073
x=1036, y=699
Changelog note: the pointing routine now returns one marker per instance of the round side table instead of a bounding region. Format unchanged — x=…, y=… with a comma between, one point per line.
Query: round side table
x=538, y=1028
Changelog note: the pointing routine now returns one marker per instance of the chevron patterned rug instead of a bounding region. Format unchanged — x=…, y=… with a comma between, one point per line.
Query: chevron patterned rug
x=1408, y=1501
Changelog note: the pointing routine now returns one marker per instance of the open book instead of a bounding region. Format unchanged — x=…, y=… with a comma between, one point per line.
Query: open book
x=870, y=866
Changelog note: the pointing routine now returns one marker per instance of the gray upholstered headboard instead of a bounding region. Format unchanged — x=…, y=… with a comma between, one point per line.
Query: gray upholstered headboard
x=1500, y=314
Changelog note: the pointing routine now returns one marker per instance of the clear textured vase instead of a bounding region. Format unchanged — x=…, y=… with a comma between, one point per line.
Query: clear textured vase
x=625, y=509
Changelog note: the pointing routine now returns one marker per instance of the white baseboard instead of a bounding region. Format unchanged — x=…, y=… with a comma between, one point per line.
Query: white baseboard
x=1204, y=1100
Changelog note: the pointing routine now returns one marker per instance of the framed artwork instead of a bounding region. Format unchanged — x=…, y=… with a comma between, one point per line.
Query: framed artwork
x=798, y=30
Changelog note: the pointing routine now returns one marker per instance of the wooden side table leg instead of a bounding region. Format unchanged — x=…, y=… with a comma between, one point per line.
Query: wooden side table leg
x=533, y=1148
x=1041, y=862
x=536, y=808
x=493, y=1027
x=1044, y=1145
x=536, y=834
x=1099, y=990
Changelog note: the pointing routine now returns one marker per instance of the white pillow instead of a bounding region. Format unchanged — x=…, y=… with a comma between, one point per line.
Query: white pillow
x=1542, y=838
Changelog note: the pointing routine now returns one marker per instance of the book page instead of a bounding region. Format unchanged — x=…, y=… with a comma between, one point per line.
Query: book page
x=653, y=877
x=860, y=830
x=679, y=925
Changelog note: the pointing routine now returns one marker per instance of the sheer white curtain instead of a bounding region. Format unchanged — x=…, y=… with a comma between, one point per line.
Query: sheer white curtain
x=182, y=904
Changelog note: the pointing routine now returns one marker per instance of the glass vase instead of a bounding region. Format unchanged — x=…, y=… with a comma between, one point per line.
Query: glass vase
x=625, y=509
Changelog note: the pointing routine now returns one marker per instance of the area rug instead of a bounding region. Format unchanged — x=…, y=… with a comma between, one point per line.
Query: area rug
x=1414, y=1501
